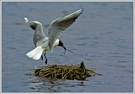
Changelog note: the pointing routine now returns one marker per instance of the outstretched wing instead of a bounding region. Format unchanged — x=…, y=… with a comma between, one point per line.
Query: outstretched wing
x=58, y=26
x=38, y=28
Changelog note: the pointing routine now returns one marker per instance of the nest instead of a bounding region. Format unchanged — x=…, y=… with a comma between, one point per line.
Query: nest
x=78, y=72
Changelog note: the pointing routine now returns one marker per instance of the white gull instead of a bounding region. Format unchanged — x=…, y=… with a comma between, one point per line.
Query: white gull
x=42, y=42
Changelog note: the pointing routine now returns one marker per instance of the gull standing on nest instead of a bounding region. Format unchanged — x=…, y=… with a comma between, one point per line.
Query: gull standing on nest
x=42, y=42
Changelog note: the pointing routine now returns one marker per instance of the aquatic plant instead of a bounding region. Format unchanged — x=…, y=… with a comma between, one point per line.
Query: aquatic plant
x=78, y=72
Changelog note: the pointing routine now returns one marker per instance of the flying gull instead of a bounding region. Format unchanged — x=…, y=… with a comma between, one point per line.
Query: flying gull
x=43, y=43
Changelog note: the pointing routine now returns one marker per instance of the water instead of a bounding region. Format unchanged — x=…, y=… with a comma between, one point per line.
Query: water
x=102, y=37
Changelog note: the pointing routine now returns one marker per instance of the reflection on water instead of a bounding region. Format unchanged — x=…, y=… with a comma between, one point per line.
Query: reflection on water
x=102, y=37
x=53, y=85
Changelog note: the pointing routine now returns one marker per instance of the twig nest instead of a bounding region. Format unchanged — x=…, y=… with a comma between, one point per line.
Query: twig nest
x=78, y=72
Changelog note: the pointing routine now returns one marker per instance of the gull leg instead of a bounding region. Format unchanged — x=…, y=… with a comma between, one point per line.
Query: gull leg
x=45, y=58
x=41, y=57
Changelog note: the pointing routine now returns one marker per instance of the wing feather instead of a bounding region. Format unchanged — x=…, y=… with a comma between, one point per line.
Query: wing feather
x=58, y=26
x=38, y=28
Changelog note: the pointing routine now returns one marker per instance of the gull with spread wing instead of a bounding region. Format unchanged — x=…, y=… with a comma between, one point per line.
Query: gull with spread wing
x=42, y=42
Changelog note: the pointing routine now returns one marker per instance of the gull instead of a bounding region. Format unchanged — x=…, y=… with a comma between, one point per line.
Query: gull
x=43, y=43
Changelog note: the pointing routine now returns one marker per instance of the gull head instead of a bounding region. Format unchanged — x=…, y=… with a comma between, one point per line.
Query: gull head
x=62, y=45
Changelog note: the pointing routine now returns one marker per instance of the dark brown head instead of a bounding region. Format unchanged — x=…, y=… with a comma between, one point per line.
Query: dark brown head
x=62, y=45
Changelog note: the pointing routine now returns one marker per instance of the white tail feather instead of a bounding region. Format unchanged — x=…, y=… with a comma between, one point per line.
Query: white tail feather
x=35, y=53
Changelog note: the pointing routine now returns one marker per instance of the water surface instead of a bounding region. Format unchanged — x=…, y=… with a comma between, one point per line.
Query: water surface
x=102, y=37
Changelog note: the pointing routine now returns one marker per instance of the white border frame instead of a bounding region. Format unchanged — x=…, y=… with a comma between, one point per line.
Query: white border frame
x=64, y=1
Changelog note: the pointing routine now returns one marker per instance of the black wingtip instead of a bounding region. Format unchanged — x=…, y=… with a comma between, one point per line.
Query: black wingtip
x=33, y=26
